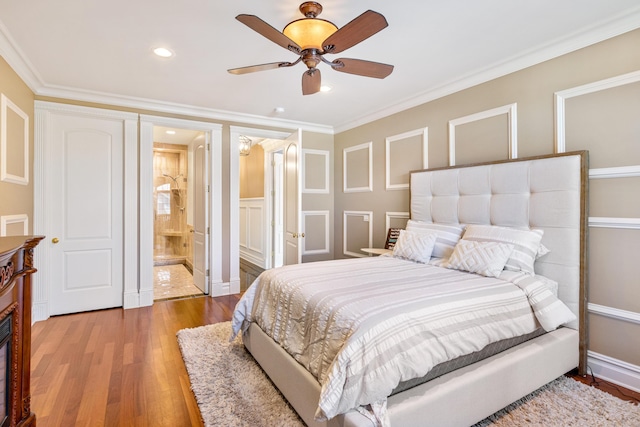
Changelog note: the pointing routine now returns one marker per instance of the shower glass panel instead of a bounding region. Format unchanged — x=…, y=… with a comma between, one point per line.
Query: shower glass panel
x=171, y=241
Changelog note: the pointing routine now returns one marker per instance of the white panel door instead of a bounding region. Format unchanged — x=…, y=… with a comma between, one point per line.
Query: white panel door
x=200, y=203
x=85, y=176
x=292, y=235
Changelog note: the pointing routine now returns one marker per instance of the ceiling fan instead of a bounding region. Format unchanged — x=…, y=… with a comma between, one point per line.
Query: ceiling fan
x=312, y=38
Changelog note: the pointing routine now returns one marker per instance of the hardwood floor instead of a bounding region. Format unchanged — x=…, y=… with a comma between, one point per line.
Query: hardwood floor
x=124, y=368
x=119, y=367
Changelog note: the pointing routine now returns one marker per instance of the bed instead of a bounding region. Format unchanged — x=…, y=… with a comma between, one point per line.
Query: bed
x=490, y=204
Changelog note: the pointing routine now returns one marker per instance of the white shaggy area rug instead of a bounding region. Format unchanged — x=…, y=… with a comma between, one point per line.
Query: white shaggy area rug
x=232, y=390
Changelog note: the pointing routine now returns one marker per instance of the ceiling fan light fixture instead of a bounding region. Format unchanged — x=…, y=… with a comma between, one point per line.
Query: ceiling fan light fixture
x=309, y=33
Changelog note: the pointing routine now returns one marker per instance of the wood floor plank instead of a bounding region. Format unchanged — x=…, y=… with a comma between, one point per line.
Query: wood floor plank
x=119, y=367
x=124, y=367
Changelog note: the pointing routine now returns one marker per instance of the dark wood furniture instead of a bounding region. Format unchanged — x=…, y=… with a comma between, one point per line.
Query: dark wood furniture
x=16, y=267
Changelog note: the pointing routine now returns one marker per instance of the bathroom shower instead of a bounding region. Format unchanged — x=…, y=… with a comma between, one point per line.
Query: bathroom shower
x=178, y=193
x=172, y=240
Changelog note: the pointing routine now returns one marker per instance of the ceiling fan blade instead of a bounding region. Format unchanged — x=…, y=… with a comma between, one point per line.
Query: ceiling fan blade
x=361, y=28
x=311, y=81
x=261, y=67
x=266, y=30
x=362, y=68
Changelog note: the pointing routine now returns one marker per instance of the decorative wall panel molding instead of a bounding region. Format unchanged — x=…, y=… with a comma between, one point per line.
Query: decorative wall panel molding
x=6, y=220
x=390, y=216
x=398, y=151
x=615, y=172
x=252, y=231
x=349, y=236
x=317, y=234
x=19, y=175
x=625, y=223
x=315, y=162
x=615, y=313
x=562, y=96
x=355, y=180
x=512, y=116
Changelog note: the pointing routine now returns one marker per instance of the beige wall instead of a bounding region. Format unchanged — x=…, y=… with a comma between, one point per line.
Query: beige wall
x=17, y=199
x=316, y=203
x=252, y=173
x=606, y=123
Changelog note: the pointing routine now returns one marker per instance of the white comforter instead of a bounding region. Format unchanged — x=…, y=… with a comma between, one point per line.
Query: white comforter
x=361, y=326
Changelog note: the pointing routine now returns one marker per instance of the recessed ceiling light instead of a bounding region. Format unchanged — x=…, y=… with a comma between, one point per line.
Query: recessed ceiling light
x=279, y=110
x=163, y=52
x=325, y=88
x=171, y=132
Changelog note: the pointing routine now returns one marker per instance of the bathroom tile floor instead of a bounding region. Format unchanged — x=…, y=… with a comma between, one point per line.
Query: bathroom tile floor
x=173, y=281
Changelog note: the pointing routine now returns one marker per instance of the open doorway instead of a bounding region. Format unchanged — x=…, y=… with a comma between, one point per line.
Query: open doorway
x=179, y=208
x=261, y=201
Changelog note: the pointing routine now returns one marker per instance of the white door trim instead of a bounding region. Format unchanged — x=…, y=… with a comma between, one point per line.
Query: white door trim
x=42, y=214
x=213, y=132
x=234, y=200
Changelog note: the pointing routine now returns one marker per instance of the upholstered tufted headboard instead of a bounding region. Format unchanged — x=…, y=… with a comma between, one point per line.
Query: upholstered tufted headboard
x=548, y=193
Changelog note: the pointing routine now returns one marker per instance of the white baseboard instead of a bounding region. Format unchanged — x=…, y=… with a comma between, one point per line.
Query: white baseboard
x=146, y=298
x=234, y=286
x=131, y=300
x=219, y=289
x=613, y=370
x=39, y=312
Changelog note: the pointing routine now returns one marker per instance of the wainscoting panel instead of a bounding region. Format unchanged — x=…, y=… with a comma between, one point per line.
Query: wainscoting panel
x=315, y=167
x=357, y=232
x=405, y=152
x=14, y=225
x=316, y=232
x=486, y=138
x=14, y=143
x=252, y=231
x=358, y=168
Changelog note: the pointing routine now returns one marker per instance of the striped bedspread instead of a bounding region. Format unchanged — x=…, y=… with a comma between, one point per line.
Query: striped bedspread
x=361, y=326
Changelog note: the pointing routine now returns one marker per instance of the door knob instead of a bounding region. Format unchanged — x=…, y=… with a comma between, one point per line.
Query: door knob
x=295, y=235
x=302, y=235
x=55, y=240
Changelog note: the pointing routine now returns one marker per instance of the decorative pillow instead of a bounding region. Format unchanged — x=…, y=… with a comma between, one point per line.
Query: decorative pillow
x=486, y=258
x=526, y=243
x=448, y=236
x=414, y=246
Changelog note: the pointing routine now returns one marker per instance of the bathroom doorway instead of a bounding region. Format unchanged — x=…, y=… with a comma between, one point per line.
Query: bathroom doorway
x=179, y=171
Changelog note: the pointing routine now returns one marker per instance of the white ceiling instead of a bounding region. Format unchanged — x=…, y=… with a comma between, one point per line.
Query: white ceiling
x=101, y=51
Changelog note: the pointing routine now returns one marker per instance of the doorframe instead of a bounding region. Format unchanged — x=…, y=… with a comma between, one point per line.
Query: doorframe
x=42, y=197
x=213, y=135
x=234, y=195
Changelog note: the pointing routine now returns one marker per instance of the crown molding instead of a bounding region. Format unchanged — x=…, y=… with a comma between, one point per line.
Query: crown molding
x=593, y=34
x=179, y=109
x=11, y=53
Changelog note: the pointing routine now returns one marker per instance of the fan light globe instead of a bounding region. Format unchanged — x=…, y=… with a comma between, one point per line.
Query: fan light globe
x=309, y=33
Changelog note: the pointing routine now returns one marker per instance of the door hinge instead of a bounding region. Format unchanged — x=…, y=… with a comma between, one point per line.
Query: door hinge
x=208, y=189
x=208, y=147
x=208, y=230
x=207, y=272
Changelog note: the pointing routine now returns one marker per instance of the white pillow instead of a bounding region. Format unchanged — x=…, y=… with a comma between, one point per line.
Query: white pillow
x=526, y=243
x=486, y=258
x=448, y=235
x=415, y=246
